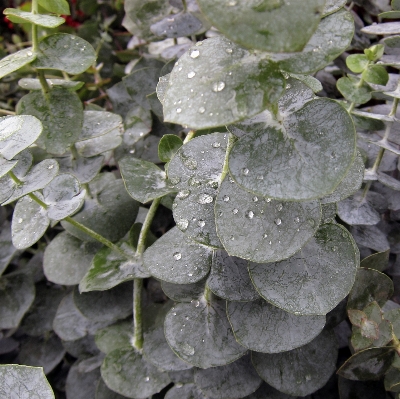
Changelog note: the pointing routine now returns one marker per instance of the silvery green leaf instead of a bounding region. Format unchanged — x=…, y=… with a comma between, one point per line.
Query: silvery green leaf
x=311, y=170
x=126, y=372
x=386, y=28
x=29, y=223
x=174, y=258
x=19, y=16
x=356, y=210
x=354, y=90
x=15, y=61
x=17, y=292
x=315, y=279
x=115, y=336
x=332, y=6
x=268, y=26
x=370, y=237
x=80, y=384
x=200, y=334
x=388, y=181
x=34, y=84
x=26, y=129
x=84, y=169
x=313, y=83
x=103, y=392
x=229, y=278
x=301, y=371
x=61, y=116
x=237, y=379
x=238, y=84
x=75, y=259
x=262, y=327
x=60, y=7
x=184, y=292
x=6, y=166
x=378, y=261
x=144, y=180
x=260, y=229
x=24, y=381
x=329, y=212
x=65, y=52
x=177, y=25
x=7, y=249
x=184, y=391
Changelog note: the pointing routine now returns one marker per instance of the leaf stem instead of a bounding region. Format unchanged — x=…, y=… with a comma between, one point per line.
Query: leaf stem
x=43, y=82
x=35, y=37
x=6, y=112
x=189, y=136
x=208, y=294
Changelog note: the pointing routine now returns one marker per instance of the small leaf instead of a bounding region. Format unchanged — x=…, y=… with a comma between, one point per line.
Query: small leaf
x=332, y=6
x=392, y=380
x=301, y=371
x=34, y=84
x=356, y=210
x=200, y=334
x=168, y=146
x=357, y=62
x=81, y=384
x=315, y=279
x=368, y=364
x=115, y=336
x=19, y=16
x=369, y=329
x=103, y=392
x=374, y=52
x=370, y=237
x=387, y=28
x=275, y=333
x=29, y=223
x=60, y=7
x=376, y=74
x=352, y=91
x=176, y=259
x=15, y=61
x=24, y=381
x=144, y=180
x=184, y=292
x=17, y=293
x=184, y=391
x=128, y=373
x=181, y=24
x=237, y=379
x=61, y=51
x=378, y=261
x=356, y=317
x=84, y=169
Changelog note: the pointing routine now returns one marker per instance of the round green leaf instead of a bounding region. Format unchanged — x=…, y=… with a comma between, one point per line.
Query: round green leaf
x=235, y=380
x=260, y=229
x=229, y=278
x=67, y=259
x=332, y=6
x=184, y=391
x=181, y=24
x=176, y=259
x=370, y=237
x=357, y=62
x=60, y=7
x=81, y=384
x=34, y=84
x=168, y=146
x=387, y=28
x=84, y=169
x=114, y=337
x=350, y=183
x=24, y=381
x=184, y=292
x=200, y=334
x=315, y=279
x=144, y=180
x=103, y=392
x=368, y=364
x=29, y=223
x=236, y=85
x=301, y=371
x=15, y=61
x=276, y=331
x=129, y=374
x=19, y=16
x=65, y=52
x=376, y=74
x=378, y=261
x=61, y=116
x=18, y=133
x=356, y=210
x=17, y=293
x=315, y=148
x=269, y=26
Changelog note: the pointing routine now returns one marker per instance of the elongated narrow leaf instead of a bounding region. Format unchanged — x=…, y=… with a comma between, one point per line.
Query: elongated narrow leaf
x=387, y=28
x=274, y=333
x=311, y=170
x=15, y=61
x=236, y=85
x=34, y=84
x=19, y=16
x=260, y=229
x=314, y=280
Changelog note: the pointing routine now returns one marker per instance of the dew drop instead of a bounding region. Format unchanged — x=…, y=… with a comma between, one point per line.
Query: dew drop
x=196, y=304
x=226, y=198
x=29, y=53
x=178, y=110
x=235, y=211
x=20, y=220
x=278, y=222
x=216, y=144
x=311, y=222
x=175, y=180
x=198, y=44
x=190, y=274
x=297, y=220
x=177, y=256
x=308, y=377
x=288, y=86
x=229, y=50
x=268, y=200
x=205, y=199
x=187, y=349
x=50, y=167
x=334, y=249
x=147, y=379
x=194, y=53
x=191, y=74
x=232, y=3
x=179, y=385
x=201, y=223
x=183, y=194
x=194, y=182
x=249, y=214
x=255, y=199
x=245, y=171
x=260, y=177
x=132, y=151
x=202, y=110
x=232, y=238
x=279, y=207
x=218, y=86
x=265, y=235
x=183, y=224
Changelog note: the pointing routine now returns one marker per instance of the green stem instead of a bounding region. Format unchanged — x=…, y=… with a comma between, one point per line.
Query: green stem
x=208, y=294
x=6, y=112
x=43, y=82
x=14, y=178
x=189, y=136
x=35, y=36
x=225, y=168
x=74, y=152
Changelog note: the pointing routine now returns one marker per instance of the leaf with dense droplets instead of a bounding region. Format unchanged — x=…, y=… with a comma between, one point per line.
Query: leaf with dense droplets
x=184, y=292
x=229, y=278
x=155, y=348
x=356, y=210
x=370, y=285
x=101, y=132
x=144, y=180
x=115, y=336
x=238, y=84
x=24, y=382
x=168, y=146
x=274, y=333
x=315, y=279
x=19, y=16
x=311, y=153
x=61, y=116
x=350, y=184
x=18, y=133
x=84, y=169
x=332, y=37
x=34, y=84
x=199, y=333
x=370, y=237
x=17, y=292
x=15, y=61
x=275, y=26
x=29, y=223
x=105, y=306
x=125, y=371
x=235, y=380
x=177, y=259
x=260, y=229
x=178, y=25
x=65, y=52
x=368, y=364
x=109, y=268
x=63, y=196
x=37, y=178
x=71, y=266
x=301, y=371
x=378, y=261
x=111, y=214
